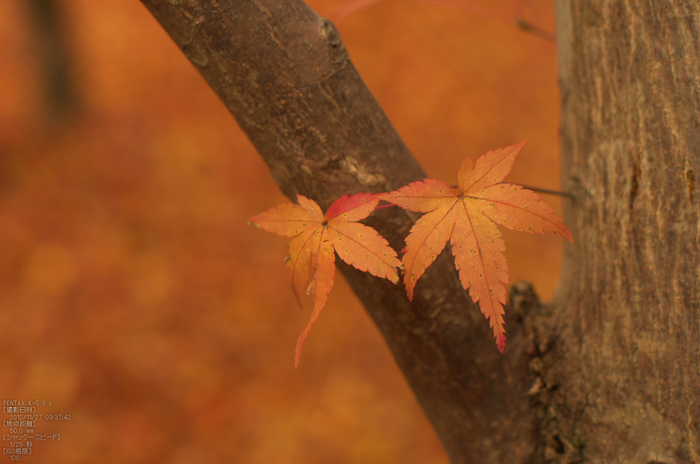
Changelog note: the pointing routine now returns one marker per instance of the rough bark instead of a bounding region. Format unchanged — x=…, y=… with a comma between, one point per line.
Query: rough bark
x=621, y=376
x=284, y=74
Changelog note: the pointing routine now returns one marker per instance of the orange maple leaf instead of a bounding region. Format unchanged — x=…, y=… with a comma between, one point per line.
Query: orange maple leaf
x=467, y=215
x=316, y=236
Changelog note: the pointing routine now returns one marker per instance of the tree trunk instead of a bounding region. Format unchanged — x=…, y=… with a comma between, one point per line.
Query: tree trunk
x=615, y=361
x=625, y=356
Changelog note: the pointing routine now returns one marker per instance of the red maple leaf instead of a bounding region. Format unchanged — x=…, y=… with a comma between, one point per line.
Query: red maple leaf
x=467, y=216
x=316, y=239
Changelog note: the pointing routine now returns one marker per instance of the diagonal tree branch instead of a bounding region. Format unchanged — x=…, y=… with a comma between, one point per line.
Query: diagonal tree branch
x=284, y=74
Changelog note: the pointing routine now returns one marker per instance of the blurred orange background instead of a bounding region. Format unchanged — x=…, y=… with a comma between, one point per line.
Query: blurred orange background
x=134, y=296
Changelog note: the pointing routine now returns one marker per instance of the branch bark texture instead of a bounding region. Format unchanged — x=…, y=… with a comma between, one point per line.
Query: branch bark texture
x=284, y=74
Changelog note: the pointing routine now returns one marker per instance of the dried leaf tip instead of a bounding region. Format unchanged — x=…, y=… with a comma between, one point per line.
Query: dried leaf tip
x=501, y=343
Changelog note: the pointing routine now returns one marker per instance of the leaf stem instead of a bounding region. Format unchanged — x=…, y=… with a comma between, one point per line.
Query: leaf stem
x=568, y=195
x=535, y=30
x=388, y=205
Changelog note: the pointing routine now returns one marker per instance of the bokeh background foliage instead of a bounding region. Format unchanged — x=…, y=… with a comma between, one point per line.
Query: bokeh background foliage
x=133, y=294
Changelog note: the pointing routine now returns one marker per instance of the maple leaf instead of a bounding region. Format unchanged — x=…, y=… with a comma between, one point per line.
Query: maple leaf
x=316, y=239
x=467, y=216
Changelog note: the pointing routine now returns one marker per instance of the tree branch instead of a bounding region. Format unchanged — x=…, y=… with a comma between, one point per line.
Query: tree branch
x=284, y=74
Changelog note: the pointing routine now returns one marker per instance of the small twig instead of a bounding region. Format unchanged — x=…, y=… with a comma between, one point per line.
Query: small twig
x=551, y=192
x=526, y=26
x=349, y=9
x=355, y=6
x=474, y=9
